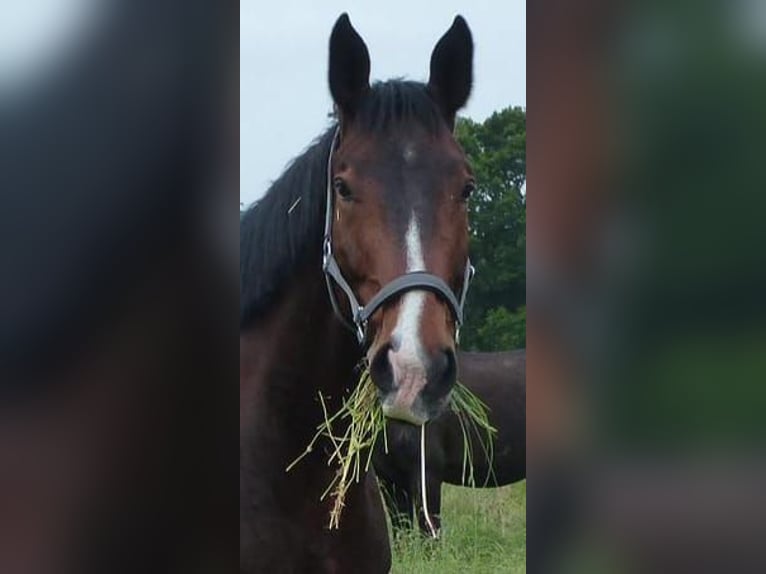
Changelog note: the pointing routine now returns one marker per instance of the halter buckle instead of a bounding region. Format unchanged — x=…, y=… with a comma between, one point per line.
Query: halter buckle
x=361, y=324
x=360, y=332
x=326, y=252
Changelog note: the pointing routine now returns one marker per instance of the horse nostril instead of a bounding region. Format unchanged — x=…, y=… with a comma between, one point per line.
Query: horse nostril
x=442, y=371
x=381, y=371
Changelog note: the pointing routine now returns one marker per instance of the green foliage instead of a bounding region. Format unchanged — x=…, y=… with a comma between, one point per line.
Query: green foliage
x=502, y=329
x=495, y=310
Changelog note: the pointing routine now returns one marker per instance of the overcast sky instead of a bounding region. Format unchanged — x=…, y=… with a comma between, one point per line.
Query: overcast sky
x=284, y=99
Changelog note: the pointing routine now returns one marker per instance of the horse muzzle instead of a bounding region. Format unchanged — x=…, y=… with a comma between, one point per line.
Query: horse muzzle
x=414, y=389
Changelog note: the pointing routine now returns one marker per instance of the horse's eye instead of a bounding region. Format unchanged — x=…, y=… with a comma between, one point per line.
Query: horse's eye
x=468, y=189
x=341, y=188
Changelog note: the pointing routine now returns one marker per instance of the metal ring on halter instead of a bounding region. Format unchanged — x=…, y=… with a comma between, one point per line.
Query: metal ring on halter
x=420, y=280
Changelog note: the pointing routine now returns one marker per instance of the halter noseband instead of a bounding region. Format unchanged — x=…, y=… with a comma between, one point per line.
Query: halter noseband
x=360, y=314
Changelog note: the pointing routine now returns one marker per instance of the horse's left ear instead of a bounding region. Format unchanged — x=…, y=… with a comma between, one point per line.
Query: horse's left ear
x=452, y=69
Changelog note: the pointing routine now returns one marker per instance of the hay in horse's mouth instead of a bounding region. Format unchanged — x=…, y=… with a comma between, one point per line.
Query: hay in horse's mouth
x=352, y=450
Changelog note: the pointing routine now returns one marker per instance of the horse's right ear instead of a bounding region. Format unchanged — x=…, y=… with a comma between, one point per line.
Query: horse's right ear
x=349, y=66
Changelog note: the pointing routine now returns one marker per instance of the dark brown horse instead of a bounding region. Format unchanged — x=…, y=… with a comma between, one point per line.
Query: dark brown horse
x=499, y=380
x=379, y=204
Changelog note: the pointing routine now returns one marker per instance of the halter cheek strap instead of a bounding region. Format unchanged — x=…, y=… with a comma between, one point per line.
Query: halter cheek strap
x=416, y=280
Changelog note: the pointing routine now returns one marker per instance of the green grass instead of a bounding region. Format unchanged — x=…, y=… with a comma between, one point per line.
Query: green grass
x=484, y=531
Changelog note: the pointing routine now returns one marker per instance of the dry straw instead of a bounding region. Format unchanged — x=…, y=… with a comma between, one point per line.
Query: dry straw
x=364, y=422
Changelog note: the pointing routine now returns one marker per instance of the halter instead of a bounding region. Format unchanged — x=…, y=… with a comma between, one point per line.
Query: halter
x=360, y=314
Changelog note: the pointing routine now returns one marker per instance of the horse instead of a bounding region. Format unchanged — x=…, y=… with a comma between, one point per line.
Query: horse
x=357, y=252
x=499, y=380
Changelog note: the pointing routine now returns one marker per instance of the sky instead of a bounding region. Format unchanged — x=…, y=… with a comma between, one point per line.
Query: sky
x=284, y=98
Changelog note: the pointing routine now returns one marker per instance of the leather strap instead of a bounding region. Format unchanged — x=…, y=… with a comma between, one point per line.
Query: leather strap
x=360, y=314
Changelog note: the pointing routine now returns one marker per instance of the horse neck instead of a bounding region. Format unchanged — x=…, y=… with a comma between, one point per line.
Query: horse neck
x=297, y=352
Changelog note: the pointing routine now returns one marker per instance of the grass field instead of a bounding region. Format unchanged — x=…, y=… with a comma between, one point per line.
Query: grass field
x=484, y=531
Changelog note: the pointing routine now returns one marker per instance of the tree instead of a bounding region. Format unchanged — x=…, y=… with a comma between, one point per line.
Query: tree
x=496, y=306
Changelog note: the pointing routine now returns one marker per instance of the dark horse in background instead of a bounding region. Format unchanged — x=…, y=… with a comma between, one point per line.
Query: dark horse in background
x=116, y=377
x=383, y=196
x=499, y=379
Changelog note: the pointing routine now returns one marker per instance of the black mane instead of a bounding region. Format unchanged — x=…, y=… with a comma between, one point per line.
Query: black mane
x=284, y=229
x=273, y=238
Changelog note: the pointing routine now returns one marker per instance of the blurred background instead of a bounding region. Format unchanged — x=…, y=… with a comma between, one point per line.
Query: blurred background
x=118, y=168
x=646, y=275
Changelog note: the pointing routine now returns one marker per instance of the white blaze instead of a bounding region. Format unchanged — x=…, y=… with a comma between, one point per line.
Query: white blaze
x=415, y=261
x=407, y=356
x=407, y=330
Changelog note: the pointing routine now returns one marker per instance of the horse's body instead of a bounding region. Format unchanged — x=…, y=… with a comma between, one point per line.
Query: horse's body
x=499, y=380
x=380, y=196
